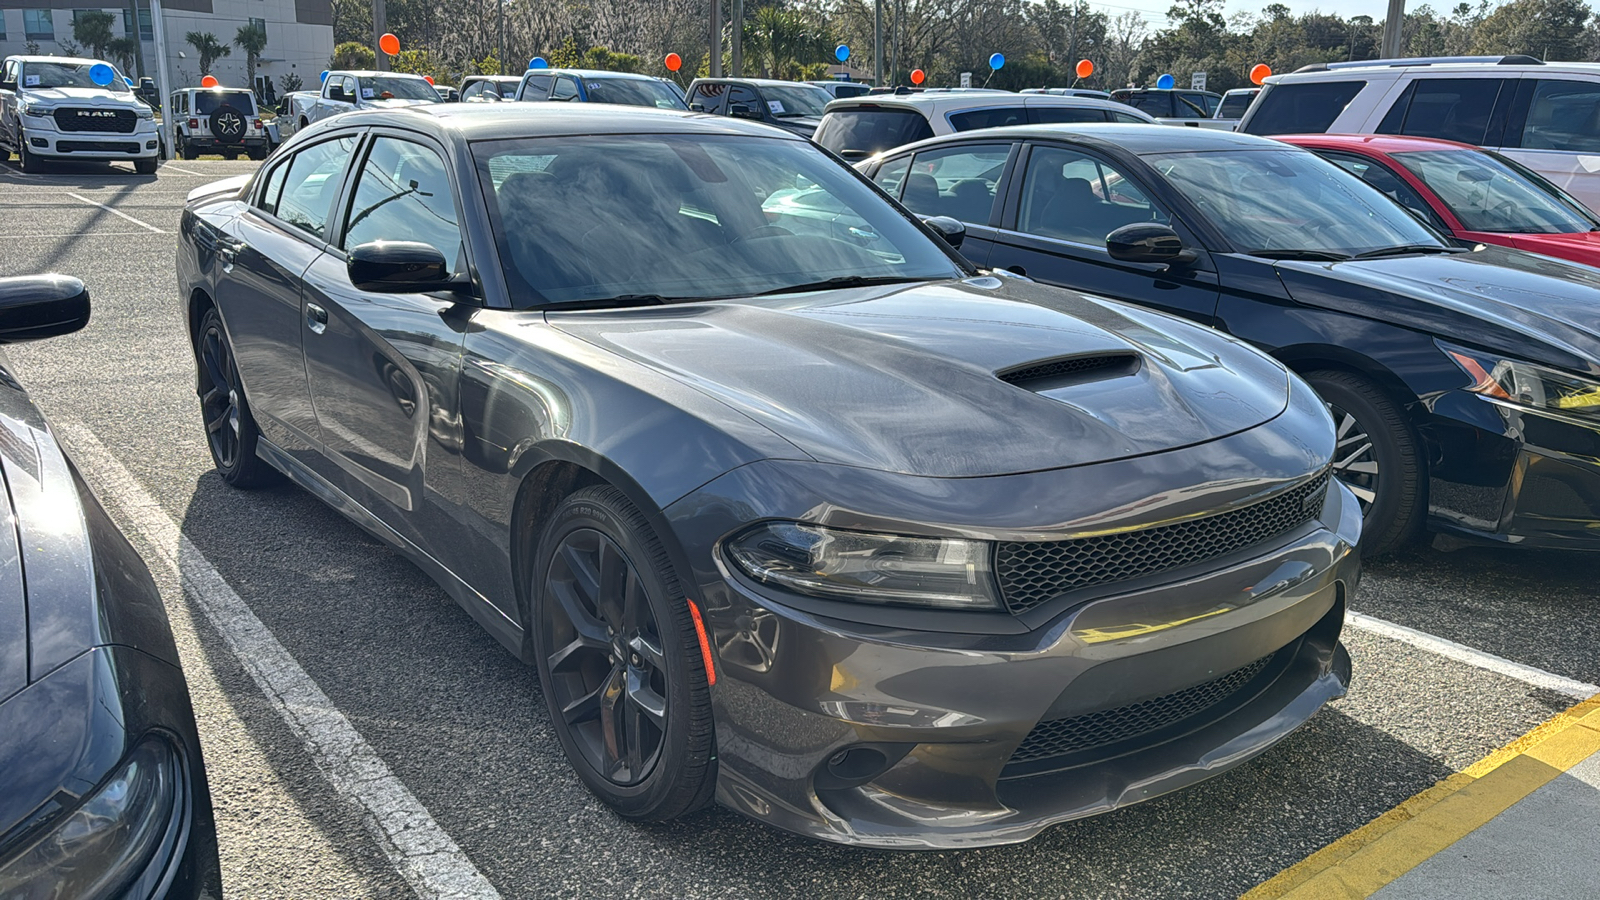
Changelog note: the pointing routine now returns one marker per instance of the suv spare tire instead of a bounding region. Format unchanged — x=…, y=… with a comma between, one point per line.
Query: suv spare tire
x=227, y=124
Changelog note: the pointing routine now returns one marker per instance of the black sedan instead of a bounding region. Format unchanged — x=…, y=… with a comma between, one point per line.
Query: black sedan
x=1465, y=383
x=102, y=788
x=789, y=506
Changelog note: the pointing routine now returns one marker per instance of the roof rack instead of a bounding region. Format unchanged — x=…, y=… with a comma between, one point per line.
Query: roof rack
x=1516, y=59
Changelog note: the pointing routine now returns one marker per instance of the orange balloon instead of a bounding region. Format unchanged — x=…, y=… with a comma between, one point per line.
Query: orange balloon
x=389, y=44
x=1260, y=73
x=1085, y=68
x=209, y=81
x=428, y=78
x=918, y=76
x=674, y=62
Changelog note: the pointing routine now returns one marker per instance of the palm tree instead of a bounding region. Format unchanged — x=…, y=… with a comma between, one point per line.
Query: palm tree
x=782, y=41
x=208, y=47
x=126, y=51
x=252, y=39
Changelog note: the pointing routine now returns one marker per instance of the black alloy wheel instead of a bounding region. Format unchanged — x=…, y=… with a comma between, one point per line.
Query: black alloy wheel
x=1376, y=456
x=230, y=429
x=620, y=660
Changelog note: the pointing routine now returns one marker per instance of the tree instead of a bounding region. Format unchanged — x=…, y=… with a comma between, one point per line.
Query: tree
x=252, y=39
x=125, y=51
x=353, y=55
x=1548, y=29
x=289, y=83
x=92, y=29
x=782, y=41
x=208, y=48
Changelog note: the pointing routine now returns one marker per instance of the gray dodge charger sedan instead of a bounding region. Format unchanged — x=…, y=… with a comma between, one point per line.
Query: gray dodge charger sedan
x=790, y=507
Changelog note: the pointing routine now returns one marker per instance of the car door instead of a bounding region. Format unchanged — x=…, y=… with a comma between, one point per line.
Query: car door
x=1056, y=219
x=382, y=367
x=962, y=182
x=1554, y=129
x=266, y=251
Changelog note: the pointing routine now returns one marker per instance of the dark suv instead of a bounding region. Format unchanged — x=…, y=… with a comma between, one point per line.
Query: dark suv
x=1171, y=103
x=790, y=105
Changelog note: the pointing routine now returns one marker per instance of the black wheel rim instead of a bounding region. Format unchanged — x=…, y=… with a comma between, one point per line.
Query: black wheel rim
x=603, y=648
x=219, y=403
x=1354, y=461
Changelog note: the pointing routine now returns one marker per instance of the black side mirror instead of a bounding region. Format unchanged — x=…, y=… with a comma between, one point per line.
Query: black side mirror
x=8, y=85
x=398, y=267
x=337, y=94
x=33, y=307
x=743, y=111
x=950, y=229
x=1148, y=242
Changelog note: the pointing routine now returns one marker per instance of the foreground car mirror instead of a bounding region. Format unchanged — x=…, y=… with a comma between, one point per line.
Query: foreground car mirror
x=1148, y=242
x=34, y=307
x=398, y=267
x=950, y=229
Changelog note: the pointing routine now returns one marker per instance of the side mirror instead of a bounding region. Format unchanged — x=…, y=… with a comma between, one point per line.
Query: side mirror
x=1148, y=242
x=8, y=85
x=398, y=267
x=338, y=95
x=697, y=106
x=33, y=307
x=951, y=230
x=743, y=111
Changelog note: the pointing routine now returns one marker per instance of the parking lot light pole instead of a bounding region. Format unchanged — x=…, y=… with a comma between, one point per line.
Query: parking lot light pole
x=737, y=26
x=163, y=79
x=1391, y=30
x=379, y=26
x=716, y=39
x=877, y=43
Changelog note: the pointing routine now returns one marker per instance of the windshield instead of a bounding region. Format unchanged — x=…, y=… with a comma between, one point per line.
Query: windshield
x=68, y=75
x=380, y=87
x=1488, y=195
x=1289, y=200
x=633, y=92
x=788, y=102
x=207, y=102
x=689, y=217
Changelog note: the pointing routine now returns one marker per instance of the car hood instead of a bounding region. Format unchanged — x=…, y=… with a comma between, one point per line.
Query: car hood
x=81, y=96
x=904, y=378
x=1534, y=307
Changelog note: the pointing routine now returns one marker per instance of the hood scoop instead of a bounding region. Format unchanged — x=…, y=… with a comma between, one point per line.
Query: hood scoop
x=1051, y=374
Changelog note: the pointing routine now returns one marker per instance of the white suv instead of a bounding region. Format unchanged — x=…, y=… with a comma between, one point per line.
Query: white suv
x=1543, y=115
x=54, y=107
x=218, y=120
x=859, y=127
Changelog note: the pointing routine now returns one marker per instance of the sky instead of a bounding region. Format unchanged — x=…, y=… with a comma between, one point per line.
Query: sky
x=1155, y=11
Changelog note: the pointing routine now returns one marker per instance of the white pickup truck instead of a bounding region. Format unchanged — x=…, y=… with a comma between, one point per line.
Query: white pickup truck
x=344, y=91
x=60, y=108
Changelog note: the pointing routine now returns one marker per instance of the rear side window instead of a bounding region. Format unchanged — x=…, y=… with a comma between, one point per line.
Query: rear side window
x=1454, y=109
x=862, y=132
x=1234, y=105
x=1310, y=107
x=1156, y=104
x=313, y=184
x=1563, y=115
x=1049, y=115
x=958, y=182
x=891, y=174
x=988, y=118
x=1193, y=106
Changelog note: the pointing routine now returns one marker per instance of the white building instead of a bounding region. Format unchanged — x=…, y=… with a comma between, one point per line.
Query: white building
x=299, y=36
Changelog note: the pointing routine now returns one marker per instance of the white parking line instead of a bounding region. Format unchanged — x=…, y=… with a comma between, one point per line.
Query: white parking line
x=1550, y=681
x=184, y=171
x=115, y=212
x=424, y=855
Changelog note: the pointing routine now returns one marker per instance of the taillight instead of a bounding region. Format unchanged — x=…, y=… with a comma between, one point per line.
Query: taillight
x=194, y=123
x=258, y=123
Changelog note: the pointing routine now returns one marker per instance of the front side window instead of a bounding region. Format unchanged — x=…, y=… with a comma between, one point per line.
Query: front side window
x=1050, y=115
x=536, y=87
x=794, y=101
x=272, y=189
x=1289, y=201
x=1234, y=105
x=1156, y=103
x=711, y=98
x=1385, y=180
x=403, y=194
x=1309, y=107
x=891, y=175
x=1191, y=106
x=989, y=118
x=1486, y=194
x=1454, y=109
x=566, y=89
x=863, y=131
x=591, y=218
x=958, y=182
x=312, y=184
x=1563, y=115
x=37, y=25
x=381, y=87
x=1072, y=196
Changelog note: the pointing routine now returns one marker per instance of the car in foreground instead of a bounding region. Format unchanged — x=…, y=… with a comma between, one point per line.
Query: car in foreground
x=862, y=126
x=218, y=120
x=594, y=86
x=792, y=106
x=1468, y=194
x=1466, y=383
x=799, y=513
x=105, y=788
x=56, y=108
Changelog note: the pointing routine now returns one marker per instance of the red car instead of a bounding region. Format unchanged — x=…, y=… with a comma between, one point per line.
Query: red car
x=1466, y=192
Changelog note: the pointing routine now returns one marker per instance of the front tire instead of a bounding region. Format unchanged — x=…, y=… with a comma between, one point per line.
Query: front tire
x=146, y=166
x=620, y=661
x=231, y=431
x=1377, y=456
x=26, y=160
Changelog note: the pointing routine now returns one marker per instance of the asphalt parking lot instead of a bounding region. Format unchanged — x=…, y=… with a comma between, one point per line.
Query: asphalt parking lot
x=365, y=738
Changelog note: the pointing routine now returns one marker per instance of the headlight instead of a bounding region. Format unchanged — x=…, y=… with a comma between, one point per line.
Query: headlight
x=144, y=112
x=35, y=108
x=1528, y=385
x=867, y=568
x=102, y=846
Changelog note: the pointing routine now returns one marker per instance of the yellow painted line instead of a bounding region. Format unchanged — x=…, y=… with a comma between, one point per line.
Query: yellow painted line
x=1382, y=850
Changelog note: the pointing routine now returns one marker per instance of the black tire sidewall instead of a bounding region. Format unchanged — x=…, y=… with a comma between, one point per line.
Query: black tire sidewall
x=248, y=470
x=1387, y=524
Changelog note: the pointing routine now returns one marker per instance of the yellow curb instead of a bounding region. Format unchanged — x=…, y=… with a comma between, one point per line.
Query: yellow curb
x=1366, y=859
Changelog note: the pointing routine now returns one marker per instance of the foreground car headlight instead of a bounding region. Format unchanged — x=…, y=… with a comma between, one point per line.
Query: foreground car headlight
x=1527, y=384
x=35, y=108
x=867, y=568
x=99, y=848
x=144, y=112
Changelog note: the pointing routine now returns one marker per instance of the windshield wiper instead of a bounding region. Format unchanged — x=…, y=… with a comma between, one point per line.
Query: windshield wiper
x=1402, y=249
x=1329, y=255
x=622, y=301
x=843, y=281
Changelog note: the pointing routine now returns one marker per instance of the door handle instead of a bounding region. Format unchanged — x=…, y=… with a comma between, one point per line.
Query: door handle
x=316, y=318
x=1017, y=270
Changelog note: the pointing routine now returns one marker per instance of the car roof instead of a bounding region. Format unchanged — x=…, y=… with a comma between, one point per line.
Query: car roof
x=500, y=121
x=492, y=78
x=928, y=104
x=1439, y=67
x=591, y=73
x=1138, y=139
x=363, y=73
x=1382, y=143
x=766, y=81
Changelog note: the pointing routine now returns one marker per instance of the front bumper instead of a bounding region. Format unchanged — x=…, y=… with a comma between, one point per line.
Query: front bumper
x=44, y=138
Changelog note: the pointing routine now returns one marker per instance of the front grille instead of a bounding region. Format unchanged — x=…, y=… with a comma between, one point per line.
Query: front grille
x=104, y=121
x=1034, y=572
x=1075, y=367
x=1109, y=726
x=97, y=147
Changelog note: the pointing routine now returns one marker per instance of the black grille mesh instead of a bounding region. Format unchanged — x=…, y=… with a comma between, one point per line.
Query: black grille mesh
x=97, y=146
x=120, y=121
x=1033, y=572
x=1071, y=366
x=1108, y=726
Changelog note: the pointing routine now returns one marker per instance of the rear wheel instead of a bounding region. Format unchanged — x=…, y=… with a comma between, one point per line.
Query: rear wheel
x=1377, y=456
x=230, y=429
x=620, y=661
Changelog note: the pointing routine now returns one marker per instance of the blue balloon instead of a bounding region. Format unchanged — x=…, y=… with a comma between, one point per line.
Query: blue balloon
x=1166, y=82
x=538, y=62
x=101, y=74
x=324, y=75
x=997, y=60
x=128, y=80
x=842, y=52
